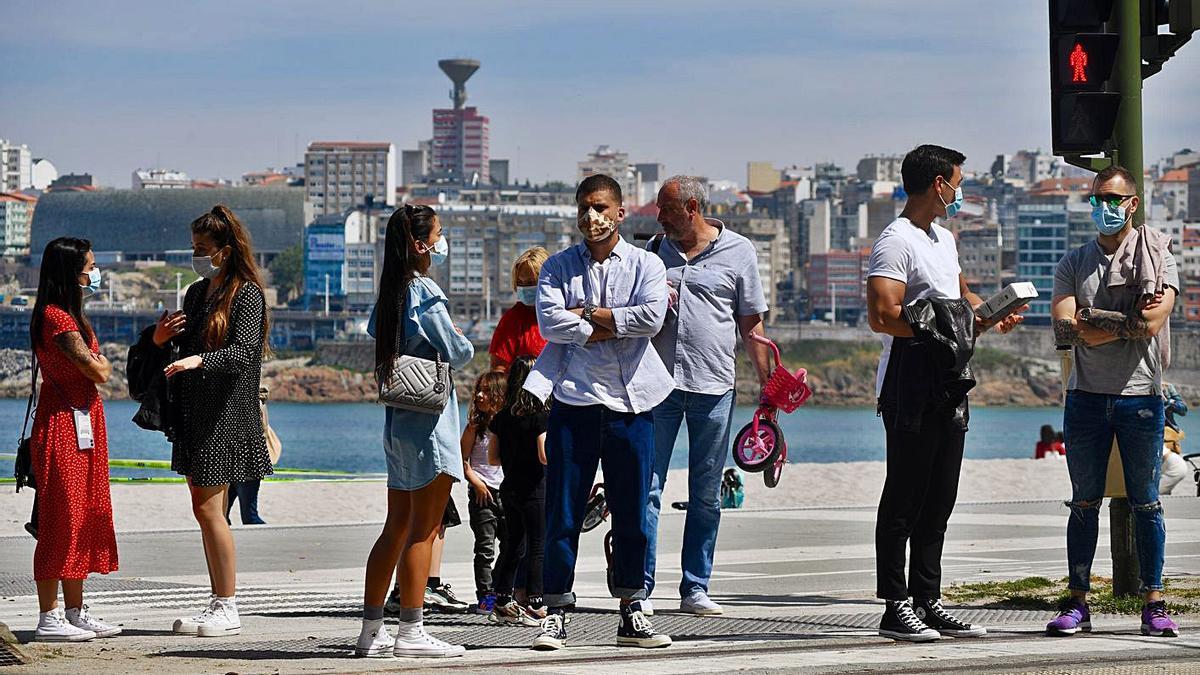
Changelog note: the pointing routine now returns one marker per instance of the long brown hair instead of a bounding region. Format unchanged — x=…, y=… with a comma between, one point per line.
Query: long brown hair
x=407, y=225
x=487, y=400
x=236, y=269
x=58, y=284
x=520, y=402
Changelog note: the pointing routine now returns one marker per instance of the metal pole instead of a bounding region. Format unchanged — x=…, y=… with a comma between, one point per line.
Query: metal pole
x=327, y=295
x=1128, y=78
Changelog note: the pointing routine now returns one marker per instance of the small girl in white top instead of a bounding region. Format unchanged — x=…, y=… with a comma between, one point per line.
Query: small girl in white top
x=483, y=481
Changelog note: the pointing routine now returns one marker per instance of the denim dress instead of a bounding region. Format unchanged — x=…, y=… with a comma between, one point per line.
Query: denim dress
x=419, y=446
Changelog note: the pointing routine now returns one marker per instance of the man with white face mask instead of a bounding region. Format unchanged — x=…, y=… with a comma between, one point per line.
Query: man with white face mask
x=598, y=304
x=1112, y=300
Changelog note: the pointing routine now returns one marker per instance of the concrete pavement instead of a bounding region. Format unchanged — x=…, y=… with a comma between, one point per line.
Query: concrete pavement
x=796, y=586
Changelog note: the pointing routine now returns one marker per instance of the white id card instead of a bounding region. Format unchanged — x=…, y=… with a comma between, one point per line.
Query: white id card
x=83, y=429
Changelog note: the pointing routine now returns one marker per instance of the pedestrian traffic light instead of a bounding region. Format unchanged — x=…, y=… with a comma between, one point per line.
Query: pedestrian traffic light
x=1083, y=106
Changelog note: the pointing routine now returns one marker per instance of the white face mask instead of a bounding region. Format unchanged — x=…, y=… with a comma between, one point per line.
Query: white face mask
x=596, y=226
x=203, y=265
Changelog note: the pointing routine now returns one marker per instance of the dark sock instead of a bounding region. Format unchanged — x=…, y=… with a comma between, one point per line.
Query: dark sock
x=372, y=613
x=535, y=602
x=502, y=599
x=434, y=582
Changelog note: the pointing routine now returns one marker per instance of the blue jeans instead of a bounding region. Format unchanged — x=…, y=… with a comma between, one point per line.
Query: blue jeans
x=1089, y=423
x=246, y=494
x=578, y=439
x=709, y=417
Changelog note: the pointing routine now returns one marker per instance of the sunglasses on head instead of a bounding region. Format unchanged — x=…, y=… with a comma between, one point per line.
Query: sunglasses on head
x=1112, y=200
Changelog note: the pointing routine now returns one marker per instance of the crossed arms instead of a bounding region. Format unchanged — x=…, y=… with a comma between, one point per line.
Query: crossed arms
x=1091, y=327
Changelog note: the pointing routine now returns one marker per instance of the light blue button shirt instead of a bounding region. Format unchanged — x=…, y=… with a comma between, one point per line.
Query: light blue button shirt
x=623, y=374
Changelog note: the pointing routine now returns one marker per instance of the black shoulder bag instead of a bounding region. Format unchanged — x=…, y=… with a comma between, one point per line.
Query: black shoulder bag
x=23, y=466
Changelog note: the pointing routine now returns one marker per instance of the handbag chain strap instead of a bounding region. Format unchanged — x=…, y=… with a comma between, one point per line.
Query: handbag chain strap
x=32, y=394
x=400, y=320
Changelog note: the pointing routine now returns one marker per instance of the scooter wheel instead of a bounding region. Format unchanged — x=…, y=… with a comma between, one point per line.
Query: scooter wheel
x=756, y=454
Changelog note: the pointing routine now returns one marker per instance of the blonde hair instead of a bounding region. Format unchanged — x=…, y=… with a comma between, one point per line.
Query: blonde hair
x=531, y=261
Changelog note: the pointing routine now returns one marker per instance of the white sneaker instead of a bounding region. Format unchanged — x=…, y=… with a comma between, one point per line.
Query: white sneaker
x=192, y=625
x=54, y=627
x=222, y=621
x=82, y=618
x=413, y=642
x=374, y=640
x=697, y=603
x=647, y=608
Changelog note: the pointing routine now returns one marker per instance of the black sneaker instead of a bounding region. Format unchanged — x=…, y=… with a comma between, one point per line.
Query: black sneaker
x=635, y=629
x=554, y=633
x=901, y=623
x=442, y=599
x=932, y=614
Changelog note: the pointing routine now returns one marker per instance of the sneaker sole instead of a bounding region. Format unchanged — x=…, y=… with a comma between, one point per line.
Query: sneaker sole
x=64, y=638
x=1147, y=630
x=644, y=643
x=910, y=637
x=700, y=611
x=378, y=653
x=548, y=645
x=112, y=632
x=975, y=632
x=424, y=654
x=180, y=629
x=1085, y=627
x=232, y=630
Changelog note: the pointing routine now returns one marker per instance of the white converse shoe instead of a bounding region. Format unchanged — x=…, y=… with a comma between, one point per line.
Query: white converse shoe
x=54, y=627
x=82, y=618
x=191, y=626
x=374, y=640
x=222, y=621
x=416, y=643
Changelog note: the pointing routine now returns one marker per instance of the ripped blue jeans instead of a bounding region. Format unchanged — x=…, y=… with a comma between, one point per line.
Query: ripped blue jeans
x=1089, y=424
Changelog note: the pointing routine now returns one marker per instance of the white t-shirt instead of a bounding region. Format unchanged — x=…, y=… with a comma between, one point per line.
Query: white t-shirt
x=926, y=262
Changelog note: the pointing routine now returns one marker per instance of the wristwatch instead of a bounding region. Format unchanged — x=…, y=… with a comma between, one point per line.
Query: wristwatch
x=588, y=310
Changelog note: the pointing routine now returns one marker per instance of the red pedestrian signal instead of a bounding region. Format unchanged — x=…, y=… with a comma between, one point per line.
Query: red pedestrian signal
x=1079, y=60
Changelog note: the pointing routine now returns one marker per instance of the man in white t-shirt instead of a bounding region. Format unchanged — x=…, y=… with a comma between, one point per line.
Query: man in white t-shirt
x=916, y=258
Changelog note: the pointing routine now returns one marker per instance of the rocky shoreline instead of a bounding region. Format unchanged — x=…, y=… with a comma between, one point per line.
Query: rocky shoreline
x=843, y=381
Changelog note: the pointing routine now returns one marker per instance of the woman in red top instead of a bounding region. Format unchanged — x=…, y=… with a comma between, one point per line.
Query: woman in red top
x=517, y=333
x=1049, y=445
x=69, y=446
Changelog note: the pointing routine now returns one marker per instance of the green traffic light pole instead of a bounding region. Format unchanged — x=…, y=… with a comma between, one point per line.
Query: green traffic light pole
x=1127, y=76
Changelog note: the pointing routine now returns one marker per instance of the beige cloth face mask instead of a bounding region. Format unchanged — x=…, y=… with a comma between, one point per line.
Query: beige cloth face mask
x=596, y=226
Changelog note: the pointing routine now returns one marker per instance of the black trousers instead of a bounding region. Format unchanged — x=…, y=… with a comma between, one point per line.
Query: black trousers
x=525, y=518
x=918, y=497
x=487, y=522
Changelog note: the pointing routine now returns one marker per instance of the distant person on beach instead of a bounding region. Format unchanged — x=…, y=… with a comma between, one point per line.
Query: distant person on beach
x=916, y=258
x=517, y=332
x=485, y=509
x=1112, y=303
x=1050, y=445
x=69, y=446
x=517, y=443
x=219, y=436
x=598, y=304
x=716, y=296
x=423, y=456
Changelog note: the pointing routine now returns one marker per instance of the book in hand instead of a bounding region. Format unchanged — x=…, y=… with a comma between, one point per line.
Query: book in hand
x=1011, y=298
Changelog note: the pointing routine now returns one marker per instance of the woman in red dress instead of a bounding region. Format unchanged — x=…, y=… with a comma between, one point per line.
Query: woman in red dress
x=69, y=446
x=517, y=333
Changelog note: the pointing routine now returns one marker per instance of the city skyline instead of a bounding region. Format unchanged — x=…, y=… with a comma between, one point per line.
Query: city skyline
x=701, y=87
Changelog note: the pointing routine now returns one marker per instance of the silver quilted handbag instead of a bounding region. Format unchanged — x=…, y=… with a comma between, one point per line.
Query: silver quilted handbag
x=414, y=383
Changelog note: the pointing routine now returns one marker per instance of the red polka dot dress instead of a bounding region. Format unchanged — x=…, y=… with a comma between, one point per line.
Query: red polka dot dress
x=75, y=519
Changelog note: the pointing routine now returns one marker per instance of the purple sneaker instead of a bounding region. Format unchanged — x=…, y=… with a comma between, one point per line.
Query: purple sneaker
x=1073, y=616
x=487, y=602
x=1156, y=622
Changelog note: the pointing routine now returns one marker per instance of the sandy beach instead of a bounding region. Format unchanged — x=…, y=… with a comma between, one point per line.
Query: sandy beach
x=139, y=508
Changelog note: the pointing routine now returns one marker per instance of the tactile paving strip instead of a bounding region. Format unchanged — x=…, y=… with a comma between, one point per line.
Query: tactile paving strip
x=15, y=585
x=8, y=657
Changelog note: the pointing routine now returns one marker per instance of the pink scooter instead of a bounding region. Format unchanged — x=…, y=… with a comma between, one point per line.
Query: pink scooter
x=760, y=445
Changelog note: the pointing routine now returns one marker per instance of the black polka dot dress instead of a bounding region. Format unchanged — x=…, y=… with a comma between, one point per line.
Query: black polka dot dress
x=219, y=434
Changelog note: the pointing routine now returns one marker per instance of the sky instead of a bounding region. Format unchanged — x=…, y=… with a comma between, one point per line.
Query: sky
x=220, y=88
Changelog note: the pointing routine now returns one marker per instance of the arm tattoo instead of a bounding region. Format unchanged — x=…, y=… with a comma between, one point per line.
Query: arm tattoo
x=1126, y=326
x=1066, y=333
x=73, y=347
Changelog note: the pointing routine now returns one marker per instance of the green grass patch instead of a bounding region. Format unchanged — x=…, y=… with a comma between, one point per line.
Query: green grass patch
x=1040, y=593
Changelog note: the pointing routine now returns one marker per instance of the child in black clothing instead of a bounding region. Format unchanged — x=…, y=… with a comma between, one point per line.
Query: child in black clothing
x=518, y=444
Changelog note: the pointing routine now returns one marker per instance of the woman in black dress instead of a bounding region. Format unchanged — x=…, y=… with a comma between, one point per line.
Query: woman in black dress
x=222, y=335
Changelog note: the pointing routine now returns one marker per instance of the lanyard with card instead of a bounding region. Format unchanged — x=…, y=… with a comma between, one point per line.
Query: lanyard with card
x=81, y=417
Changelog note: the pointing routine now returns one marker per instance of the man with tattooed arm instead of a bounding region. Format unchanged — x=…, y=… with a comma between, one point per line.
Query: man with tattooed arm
x=1112, y=300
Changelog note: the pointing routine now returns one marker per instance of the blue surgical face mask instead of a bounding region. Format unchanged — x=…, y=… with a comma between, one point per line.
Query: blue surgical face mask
x=439, y=252
x=93, y=286
x=527, y=295
x=1108, y=220
x=953, y=207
